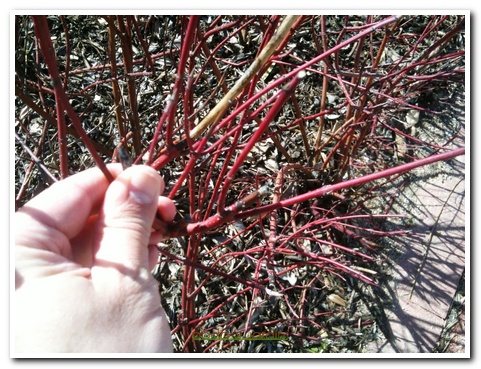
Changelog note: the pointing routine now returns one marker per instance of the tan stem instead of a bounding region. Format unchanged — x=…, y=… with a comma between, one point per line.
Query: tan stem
x=258, y=63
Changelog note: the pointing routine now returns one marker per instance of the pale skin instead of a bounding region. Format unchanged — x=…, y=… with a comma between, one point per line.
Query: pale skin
x=83, y=256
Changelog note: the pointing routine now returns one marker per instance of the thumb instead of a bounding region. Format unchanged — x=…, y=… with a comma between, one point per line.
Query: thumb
x=126, y=219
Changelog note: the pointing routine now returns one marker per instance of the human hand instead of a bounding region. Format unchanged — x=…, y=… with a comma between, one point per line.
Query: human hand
x=82, y=265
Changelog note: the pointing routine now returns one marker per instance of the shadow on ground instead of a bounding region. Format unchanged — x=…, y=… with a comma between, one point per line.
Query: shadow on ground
x=430, y=264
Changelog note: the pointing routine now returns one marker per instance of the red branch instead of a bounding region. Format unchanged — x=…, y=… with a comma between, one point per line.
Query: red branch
x=43, y=34
x=173, y=230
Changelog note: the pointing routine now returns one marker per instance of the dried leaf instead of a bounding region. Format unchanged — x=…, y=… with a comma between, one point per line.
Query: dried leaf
x=412, y=117
x=273, y=293
x=272, y=165
x=337, y=299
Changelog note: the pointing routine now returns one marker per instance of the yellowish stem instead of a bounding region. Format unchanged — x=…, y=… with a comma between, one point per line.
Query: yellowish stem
x=258, y=63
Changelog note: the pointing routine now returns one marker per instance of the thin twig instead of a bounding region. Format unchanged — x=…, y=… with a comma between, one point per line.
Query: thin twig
x=35, y=159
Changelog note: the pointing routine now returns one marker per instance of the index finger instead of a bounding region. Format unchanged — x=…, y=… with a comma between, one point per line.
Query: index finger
x=66, y=205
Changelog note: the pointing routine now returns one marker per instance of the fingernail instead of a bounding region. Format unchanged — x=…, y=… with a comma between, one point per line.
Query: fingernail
x=144, y=187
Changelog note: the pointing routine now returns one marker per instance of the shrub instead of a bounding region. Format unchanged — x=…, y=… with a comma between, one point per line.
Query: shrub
x=274, y=135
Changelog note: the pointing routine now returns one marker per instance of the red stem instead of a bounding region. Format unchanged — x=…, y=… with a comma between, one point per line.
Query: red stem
x=43, y=34
x=169, y=111
x=184, y=55
x=354, y=182
x=62, y=137
x=284, y=94
x=230, y=215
